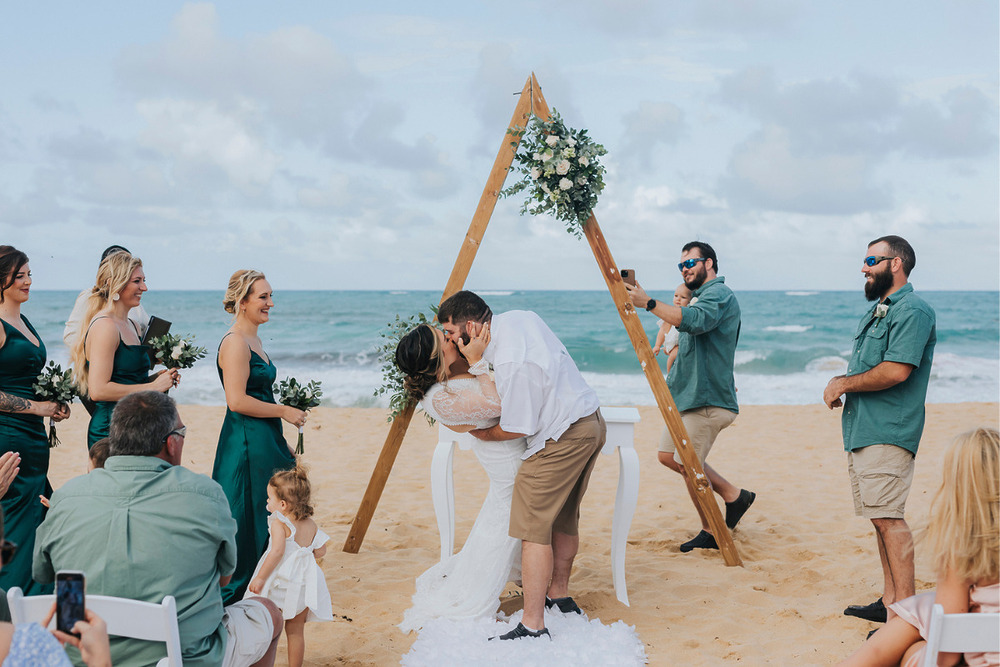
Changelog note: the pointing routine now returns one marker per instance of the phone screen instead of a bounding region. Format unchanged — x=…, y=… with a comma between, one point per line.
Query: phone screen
x=69, y=600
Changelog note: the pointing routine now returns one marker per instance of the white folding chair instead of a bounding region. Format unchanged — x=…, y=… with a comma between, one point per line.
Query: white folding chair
x=124, y=618
x=960, y=633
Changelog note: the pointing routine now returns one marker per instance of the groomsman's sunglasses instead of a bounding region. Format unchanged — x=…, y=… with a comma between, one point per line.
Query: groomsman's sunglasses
x=876, y=259
x=690, y=263
x=7, y=551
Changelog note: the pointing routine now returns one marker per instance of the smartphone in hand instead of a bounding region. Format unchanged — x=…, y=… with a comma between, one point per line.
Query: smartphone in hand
x=70, y=603
x=628, y=276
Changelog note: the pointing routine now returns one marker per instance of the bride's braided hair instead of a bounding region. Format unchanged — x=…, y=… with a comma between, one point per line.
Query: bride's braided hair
x=420, y=357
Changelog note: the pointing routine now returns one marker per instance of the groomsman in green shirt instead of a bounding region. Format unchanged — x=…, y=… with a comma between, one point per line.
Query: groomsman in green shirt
x=701, y=379
x=884, y=388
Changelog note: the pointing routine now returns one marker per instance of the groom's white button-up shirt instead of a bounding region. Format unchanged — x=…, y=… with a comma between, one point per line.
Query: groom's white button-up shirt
x=541, y=390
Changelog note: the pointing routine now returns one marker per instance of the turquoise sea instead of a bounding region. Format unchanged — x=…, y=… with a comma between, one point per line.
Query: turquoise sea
x=791, y=343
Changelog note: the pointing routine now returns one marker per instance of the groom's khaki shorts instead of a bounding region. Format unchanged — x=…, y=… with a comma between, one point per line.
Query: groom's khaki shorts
x=550, y=484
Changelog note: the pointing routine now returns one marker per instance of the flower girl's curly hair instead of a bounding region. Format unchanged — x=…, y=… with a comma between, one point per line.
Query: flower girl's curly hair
x=293, y=487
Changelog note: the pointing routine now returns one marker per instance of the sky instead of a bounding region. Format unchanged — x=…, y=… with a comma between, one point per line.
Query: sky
x=339, y=145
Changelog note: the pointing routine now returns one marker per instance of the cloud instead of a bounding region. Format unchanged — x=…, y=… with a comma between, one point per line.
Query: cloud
x=651, y=125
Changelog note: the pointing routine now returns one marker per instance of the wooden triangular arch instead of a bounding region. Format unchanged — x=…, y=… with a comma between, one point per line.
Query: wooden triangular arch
x=532, y=101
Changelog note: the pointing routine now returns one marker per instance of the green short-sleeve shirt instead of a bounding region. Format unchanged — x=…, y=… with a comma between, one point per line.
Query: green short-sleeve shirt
x=141, y=528
x=904, y=334
x=702, y=374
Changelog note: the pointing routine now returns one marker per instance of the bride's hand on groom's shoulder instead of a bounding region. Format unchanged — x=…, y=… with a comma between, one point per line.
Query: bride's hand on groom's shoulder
x=474, y=349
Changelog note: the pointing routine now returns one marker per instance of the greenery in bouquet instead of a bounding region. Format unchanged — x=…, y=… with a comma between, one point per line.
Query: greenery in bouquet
x=392, y=378
x=176, y=351
x=300, y=396
x=559, y=168
x=55, y=384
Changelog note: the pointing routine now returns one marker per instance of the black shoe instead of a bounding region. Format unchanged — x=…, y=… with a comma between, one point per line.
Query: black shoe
x=521, y=631
x=870, y=634
x=874, y=612
x=736, y=509
x=566, y=605
x=702, y=540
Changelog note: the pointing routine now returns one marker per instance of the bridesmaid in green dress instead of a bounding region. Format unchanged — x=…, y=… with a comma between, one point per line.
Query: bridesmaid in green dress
x=251, y=445
x=22, y=431
x=109, y=360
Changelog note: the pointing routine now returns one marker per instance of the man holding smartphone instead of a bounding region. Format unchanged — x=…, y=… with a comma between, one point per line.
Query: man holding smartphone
x=144, y=527
x=701, y=379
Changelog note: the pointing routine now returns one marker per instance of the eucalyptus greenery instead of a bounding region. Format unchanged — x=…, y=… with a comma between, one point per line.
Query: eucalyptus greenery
x=300, y=396
x=55, y=384
x=559, y=167
x=392, y=377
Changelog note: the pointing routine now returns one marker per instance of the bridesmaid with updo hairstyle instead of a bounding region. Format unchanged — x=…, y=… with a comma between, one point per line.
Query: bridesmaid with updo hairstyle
x=251, y=444
x=22, y=431
x=109, y=360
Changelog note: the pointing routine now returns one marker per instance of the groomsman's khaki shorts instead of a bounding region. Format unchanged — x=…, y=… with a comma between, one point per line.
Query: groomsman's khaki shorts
x=703, y=426
x=550, y=485
x=881, y=476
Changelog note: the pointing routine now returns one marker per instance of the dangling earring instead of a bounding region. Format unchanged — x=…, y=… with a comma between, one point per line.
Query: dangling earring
x=115, y=297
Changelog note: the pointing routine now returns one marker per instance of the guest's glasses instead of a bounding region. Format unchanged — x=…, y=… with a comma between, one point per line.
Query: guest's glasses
x=876, y=259
x=690, y=263
x=7, y=551
x=182, y=431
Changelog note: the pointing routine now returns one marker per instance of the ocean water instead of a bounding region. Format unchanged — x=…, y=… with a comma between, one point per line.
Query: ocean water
x=791, y=343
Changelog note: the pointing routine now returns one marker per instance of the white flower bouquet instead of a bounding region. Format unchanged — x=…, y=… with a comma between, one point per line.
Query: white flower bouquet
x=301, y=397
x=55, y=384
x=176, y=351
x=559, y=168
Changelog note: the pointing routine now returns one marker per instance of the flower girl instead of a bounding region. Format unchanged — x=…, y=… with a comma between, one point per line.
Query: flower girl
x=288, y=573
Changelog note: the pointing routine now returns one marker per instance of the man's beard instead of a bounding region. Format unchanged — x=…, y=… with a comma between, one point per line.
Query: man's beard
x=880, y=283
x=698, y=279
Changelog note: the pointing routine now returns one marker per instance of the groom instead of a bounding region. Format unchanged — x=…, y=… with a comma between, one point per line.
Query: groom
x=544, y=398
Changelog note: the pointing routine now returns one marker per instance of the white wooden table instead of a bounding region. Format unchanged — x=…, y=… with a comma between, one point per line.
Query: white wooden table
x=621, y=437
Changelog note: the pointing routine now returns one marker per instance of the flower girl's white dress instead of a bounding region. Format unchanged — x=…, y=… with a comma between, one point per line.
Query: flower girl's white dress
x=297, y=582
x=469, y=583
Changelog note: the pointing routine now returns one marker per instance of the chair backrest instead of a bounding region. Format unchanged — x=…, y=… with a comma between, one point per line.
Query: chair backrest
x=960, y=633
x=124, y=617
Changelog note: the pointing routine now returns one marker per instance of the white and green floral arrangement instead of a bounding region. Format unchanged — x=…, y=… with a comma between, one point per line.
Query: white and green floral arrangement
x=300, y=396
x=176, y=351
x=559, y=168
x=392, y=378
x=55, y=384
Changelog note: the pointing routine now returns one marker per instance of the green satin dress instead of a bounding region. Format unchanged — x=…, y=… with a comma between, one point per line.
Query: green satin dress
x=131, y=366
x=21, y=362
x=250, y=450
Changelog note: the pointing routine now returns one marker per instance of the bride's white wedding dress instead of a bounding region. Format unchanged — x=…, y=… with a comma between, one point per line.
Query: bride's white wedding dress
x=468, y=584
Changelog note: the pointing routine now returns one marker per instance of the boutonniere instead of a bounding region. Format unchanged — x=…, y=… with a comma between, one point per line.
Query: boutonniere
x=881, y=310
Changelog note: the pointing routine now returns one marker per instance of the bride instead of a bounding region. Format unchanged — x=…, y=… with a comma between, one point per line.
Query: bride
x=467, y=584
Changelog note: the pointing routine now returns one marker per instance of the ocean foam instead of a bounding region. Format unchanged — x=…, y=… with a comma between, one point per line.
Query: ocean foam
x=790, y=328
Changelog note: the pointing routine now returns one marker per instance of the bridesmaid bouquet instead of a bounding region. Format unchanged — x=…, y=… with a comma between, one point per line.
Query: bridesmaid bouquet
x=300, y=397
x=176, y=351
x=55, y=384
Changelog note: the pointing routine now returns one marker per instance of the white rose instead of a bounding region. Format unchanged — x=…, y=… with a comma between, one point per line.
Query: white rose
x=545, y=188
x=581, y=180
x=565, y=184
x=562, y=168
x=571, y=141
x=537, y=157
x=583, y=160
x=535, y=173
x=552, y=140
x=176, y=353
x=546, y=156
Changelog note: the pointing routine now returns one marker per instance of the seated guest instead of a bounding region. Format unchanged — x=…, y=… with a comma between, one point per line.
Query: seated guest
x=144, y=527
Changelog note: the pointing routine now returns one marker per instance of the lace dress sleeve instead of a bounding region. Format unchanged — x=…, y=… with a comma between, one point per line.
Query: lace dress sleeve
x=464, y=401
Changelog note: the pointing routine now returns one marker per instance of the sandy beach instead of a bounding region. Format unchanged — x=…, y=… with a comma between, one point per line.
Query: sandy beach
x=806, y=556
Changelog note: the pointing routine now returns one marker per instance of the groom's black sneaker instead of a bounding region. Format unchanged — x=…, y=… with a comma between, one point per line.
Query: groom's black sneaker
x=874, y=612
x=736, y=509
x=702, y=540
x=521, y=631
x=566, y=605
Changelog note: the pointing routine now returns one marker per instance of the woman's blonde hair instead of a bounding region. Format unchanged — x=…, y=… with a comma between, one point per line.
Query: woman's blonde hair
x=113, y=275
x=240, y=286
x=293, y=487
x=963, y=532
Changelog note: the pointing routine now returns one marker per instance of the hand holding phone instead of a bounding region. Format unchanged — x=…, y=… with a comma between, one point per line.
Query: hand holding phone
x=628, y=276
x=70, y=605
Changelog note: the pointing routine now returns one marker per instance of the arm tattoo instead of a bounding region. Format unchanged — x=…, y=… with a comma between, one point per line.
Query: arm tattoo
x=11, y=403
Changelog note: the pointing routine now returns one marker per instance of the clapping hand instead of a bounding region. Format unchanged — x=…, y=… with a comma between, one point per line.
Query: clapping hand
x=474, y=349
